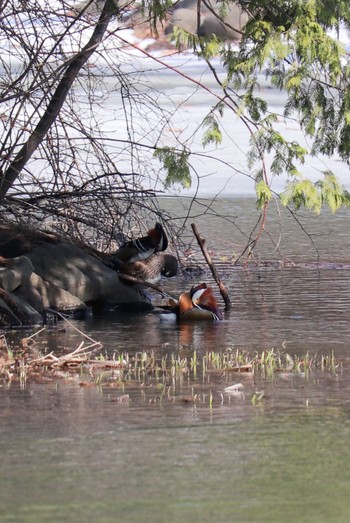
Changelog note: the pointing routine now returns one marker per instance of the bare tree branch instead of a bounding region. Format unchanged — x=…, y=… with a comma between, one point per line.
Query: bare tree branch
x=10, y=175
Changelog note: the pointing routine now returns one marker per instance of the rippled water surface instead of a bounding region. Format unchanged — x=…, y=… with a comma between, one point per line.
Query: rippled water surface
x=276, y=451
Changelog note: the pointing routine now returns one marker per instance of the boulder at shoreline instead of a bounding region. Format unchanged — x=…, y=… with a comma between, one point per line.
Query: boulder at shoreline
x=41, y=272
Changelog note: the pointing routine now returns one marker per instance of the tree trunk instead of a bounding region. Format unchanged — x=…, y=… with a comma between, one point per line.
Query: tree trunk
x=8, y=178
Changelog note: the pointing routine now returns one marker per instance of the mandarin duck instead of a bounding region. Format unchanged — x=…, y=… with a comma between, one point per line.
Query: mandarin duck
x=142, y=248
x=197, y=305
x=152, y=269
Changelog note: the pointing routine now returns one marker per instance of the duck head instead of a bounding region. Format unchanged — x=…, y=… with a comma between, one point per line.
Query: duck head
x=199, y=304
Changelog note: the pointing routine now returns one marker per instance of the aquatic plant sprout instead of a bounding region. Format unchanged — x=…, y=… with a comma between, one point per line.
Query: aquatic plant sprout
x=200, y=378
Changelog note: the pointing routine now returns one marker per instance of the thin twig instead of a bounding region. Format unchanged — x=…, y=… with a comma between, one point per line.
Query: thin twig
x=74, y=327
x=35, y=333
x=145, y=283
x=212, y=267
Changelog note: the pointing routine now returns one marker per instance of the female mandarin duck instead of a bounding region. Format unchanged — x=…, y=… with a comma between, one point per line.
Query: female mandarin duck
x=152, y=269
x=142, y=248
x=197, y=305
x=142, y=258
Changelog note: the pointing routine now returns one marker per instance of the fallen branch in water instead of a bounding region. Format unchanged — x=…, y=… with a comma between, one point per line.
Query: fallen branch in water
x=80, y=355
x=25, y=362
x=212, y=267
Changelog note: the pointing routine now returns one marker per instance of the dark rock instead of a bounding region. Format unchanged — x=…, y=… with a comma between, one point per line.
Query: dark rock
x=40, y=272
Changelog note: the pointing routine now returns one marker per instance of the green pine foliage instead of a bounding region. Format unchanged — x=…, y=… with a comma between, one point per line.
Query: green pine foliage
x=303, y=192
x=212, y=135
x=301, y=58
x=289, y=43
x=176, y=166
x=263, y=193
x=156, y=11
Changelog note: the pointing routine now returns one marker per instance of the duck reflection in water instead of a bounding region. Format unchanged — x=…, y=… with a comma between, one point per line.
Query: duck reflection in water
x=200, y=335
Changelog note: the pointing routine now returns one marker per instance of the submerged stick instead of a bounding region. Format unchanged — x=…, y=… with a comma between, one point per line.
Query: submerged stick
x=94, y=342
x=212, y=267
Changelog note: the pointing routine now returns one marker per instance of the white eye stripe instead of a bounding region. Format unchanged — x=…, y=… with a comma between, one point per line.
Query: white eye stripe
x=198, y=294
x=138, y=244
x=161, y=244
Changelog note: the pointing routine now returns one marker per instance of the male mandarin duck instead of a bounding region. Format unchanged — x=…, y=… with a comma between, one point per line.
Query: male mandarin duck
x=142, y=248
x=197, y=305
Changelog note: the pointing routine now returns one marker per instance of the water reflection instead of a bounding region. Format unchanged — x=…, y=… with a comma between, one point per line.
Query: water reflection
x=276, y=451
x=76, y=453
x=304, y=309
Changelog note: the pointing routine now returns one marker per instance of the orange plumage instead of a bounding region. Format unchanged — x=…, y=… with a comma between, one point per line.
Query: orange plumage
x=199, y=304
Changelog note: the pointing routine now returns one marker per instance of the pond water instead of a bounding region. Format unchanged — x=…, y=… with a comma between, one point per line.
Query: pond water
x=275, y=451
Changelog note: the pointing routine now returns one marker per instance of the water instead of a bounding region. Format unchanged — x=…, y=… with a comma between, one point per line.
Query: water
x=82, y=453
x=77, y=455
